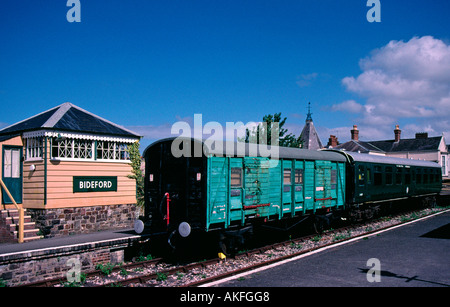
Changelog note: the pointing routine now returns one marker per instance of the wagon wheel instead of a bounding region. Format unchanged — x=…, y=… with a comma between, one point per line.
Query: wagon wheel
x=321, y=223
x=318, y=225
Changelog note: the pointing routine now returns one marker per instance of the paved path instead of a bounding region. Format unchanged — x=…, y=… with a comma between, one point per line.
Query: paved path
x=414, y=255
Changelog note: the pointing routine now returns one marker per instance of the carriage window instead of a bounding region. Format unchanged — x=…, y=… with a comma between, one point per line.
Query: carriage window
x=419, y=176
x=438, y=175
x=398, y=176
x=425, y=176
x=236, y=177
x=388, y=175
x=361, y=175
x=369, y=175
x=378, y=176
x=407, y=176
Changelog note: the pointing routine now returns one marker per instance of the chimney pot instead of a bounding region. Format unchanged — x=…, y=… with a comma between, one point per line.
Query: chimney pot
x=422, y=135
x=397, y=133
x=332, y=141
x=355, y=133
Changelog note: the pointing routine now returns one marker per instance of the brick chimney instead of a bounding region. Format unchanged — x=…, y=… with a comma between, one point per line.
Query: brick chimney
x=422, y=135
x=332, y=142
x=397, y=133
x=355, y=133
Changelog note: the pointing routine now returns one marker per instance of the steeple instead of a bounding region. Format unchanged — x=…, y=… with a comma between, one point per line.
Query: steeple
x=309, y=138
x=308, y=116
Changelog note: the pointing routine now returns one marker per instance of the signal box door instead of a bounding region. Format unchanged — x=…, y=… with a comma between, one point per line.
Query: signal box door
x=12, y=173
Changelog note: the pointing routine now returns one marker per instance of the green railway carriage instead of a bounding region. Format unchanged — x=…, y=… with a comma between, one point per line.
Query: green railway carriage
x=372, y=178
x=229, y=189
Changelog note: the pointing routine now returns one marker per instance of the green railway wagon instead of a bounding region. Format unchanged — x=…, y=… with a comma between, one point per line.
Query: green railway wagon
x=194, y=187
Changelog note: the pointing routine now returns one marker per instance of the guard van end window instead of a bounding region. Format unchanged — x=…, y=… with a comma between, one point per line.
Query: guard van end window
x=287, y=176
x=287, y=180
x=298, y=176
x=333, y=179
x=236, y=181
x=236, y=177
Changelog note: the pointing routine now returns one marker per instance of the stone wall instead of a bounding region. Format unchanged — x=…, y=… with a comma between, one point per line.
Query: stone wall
x=17, y=269
x=81, y=220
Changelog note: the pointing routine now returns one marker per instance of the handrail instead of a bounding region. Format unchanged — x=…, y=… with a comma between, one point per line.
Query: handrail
x=20, y=209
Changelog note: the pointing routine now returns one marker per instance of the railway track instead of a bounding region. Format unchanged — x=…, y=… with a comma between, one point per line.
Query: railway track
x=156, y=272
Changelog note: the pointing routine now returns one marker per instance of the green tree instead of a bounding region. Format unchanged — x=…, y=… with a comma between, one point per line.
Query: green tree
x=285, y=139
x=135, y=157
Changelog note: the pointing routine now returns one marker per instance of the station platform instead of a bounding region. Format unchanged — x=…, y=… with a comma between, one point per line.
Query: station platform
x=413, y=255
x=10, y=251
x=35, y=261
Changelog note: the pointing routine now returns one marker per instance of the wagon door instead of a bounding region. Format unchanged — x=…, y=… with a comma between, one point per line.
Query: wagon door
x=287, y=187
x=298, y=186
x=236, y=189
x=256, y=184
x=323, y=191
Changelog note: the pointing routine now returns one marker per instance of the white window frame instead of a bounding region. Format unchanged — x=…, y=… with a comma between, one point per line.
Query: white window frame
x=67, y=150
x=112, y=152
x=34, y=149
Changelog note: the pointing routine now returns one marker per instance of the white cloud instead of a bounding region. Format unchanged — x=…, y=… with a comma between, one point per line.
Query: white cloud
x=348, y=106
x=306, y=80
x=407, y=81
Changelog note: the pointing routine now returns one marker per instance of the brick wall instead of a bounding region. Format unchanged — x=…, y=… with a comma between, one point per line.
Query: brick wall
x=80, y=220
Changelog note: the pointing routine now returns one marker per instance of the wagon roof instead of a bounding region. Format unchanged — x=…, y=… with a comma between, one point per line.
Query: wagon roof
x=238, y=149
x=364, y=157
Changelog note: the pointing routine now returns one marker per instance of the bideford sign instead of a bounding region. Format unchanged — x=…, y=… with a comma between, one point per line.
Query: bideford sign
x=94, y=184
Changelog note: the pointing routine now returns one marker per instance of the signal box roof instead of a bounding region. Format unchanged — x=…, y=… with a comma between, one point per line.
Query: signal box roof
x=69, y=117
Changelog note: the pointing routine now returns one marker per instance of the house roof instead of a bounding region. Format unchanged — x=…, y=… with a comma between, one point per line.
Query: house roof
x=358, y=146
x=404, y=145
x=417, y=144
x=69, y=117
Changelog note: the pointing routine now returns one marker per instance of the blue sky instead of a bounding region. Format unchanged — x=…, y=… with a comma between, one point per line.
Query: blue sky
x=146, y=64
